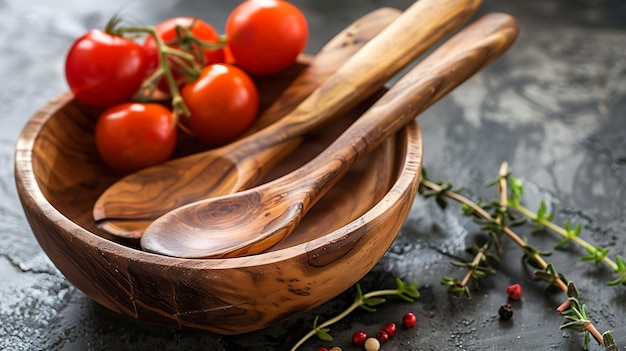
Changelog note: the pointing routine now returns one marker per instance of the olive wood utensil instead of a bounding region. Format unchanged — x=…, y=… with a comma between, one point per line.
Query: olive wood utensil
x=127, y=207
x=253, y=220
x=130, y=204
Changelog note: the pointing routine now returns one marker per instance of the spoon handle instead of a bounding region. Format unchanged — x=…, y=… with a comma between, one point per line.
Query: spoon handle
x=251, y=221
x=447, y=67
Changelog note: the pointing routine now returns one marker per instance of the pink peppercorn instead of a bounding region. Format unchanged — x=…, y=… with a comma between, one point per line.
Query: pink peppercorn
x=514, y=292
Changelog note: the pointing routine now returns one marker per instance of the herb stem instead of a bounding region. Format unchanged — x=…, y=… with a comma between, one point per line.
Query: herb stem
x=594, y=331
x=562, y=232
x=502, y=188
x=475, y=262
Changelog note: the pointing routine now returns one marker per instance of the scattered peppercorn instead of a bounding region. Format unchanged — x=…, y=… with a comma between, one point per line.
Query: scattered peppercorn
x=358, y=338
x=382, y=336
x=409, y=319
x=389, y=328
x=506, y=311
x=372, y=344
x=514, y=291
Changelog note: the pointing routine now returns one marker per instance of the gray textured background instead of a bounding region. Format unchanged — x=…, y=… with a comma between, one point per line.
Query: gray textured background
x=554, y=107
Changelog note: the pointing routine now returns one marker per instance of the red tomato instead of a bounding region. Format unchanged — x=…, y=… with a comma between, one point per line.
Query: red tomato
x=266, y=36
x=167, y=31
x=103, y=70
x=132, y=136
x=223, y=103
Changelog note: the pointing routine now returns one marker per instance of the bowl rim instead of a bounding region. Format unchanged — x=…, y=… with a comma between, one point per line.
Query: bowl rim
x=31, y=195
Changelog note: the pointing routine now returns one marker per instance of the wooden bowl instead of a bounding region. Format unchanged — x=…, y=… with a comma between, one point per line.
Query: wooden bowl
x=59, y=176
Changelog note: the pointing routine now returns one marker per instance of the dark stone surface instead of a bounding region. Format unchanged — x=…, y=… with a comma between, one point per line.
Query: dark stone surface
x=554, y=107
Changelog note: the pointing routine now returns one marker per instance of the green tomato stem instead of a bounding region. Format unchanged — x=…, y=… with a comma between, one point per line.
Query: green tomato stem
x=178, y=104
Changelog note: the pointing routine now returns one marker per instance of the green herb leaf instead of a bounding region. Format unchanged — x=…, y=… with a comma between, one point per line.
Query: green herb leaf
x=596, y=254
x=374, y=301
x=323, y=334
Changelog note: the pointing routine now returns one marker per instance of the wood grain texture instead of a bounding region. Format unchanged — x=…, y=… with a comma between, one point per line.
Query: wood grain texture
x=129, y=205
x=59, y=176
x=153, y=192
x=251, y=221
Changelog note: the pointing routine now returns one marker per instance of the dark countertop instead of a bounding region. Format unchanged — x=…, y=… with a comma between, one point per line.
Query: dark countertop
x=554, y=107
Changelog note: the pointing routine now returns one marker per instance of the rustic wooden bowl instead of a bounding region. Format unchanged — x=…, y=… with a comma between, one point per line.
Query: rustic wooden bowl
x=59, y=176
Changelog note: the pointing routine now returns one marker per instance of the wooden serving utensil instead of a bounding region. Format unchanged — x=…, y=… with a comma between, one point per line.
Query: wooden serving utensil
x=130, y=204
x=127, y=207
x=253, y=220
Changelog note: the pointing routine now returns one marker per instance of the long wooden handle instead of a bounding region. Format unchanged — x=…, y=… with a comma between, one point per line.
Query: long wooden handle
x=455, y=61
x=418, y=28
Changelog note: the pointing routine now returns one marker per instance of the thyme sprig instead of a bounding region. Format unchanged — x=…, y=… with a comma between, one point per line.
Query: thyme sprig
x=569, y=232
x=367, y=301
x=500, y=222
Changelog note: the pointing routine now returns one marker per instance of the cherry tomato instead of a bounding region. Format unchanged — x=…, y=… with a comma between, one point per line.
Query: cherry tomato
x=228, y=56
x=167, y=31
x=266, y=36
x=132, y=136
x=223, y=103
x=103, y=70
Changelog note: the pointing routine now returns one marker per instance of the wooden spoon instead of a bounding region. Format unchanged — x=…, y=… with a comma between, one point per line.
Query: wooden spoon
x=127, y=207
x=130, y=204
x=253, y=220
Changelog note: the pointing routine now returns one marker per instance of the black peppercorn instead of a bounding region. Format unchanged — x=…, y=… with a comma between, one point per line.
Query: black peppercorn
x=506, y=311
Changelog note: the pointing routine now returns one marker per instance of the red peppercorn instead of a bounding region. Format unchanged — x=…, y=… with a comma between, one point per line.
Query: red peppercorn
x=382, y=336
x=358, y=338
x=409, y=319
x=322, y=349
x=514, y=291
x=389, y=328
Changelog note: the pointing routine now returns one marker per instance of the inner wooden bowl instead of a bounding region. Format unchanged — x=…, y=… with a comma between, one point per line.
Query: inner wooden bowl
x=59, y=176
